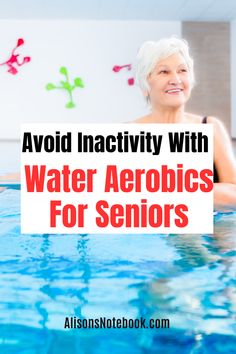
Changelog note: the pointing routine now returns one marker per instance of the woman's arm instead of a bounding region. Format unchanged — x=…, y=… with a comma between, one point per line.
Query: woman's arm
x=225, y=196
x=13, y=177
x=225, y=190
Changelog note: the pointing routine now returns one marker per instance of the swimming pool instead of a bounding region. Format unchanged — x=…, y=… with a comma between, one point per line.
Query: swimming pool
x=188, y=279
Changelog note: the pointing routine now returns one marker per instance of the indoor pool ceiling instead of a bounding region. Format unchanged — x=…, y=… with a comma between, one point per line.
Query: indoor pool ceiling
x=152, y=10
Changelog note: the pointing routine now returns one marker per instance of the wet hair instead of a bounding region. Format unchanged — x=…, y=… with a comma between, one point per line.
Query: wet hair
x=151, y=53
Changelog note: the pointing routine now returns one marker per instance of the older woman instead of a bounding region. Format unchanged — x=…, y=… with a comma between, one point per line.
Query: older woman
x=164, y=72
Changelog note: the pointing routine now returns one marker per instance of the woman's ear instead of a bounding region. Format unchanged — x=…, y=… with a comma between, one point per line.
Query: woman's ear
x=146, y=93
x=146, y=96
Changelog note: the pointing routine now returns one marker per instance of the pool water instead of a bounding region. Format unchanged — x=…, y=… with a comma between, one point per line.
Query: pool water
x=189, y=279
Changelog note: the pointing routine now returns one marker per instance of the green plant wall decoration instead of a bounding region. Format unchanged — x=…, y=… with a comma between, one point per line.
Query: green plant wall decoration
x=65, y=85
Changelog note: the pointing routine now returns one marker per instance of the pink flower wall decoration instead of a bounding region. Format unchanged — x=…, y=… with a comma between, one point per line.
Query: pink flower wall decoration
x=13, y=62
x=118, y=68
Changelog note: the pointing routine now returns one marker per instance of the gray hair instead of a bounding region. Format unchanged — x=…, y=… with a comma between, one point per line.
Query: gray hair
x=151, y=53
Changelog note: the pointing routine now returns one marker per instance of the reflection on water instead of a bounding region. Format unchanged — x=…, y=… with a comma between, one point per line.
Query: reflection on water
x=189, y=279
x=200, y=298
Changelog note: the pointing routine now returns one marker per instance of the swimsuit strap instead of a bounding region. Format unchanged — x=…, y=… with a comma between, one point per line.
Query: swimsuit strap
x=215, y=173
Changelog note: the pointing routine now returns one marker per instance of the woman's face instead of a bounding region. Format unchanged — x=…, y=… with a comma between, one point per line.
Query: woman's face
x=169, y=82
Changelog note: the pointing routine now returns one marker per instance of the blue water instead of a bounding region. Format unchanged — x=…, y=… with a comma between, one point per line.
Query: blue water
x=189, y=279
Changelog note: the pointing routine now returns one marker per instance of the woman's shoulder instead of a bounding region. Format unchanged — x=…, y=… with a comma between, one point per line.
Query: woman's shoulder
x=189, y=118
x=196, y=118
x=144, y=119
x=220, y=131
x=193, y=118
x=216, y=121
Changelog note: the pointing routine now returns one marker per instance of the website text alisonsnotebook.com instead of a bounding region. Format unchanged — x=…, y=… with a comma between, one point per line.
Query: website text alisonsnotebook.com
x=103, y=322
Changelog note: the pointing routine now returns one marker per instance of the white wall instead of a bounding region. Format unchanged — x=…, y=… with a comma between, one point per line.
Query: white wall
x=88, y=49
x=9, y=157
